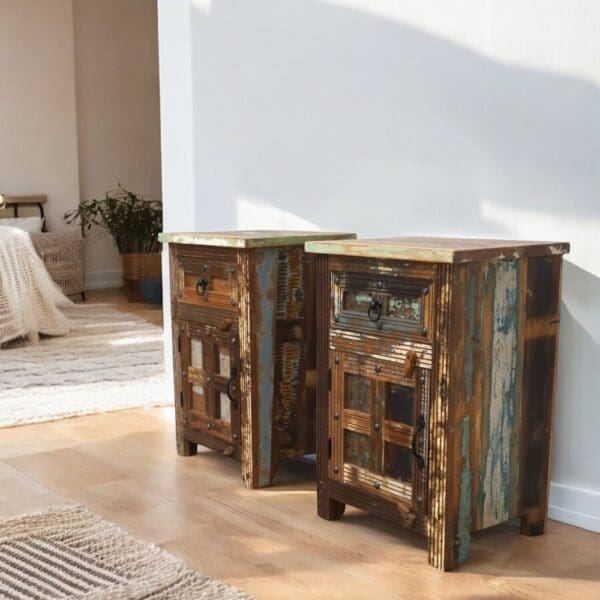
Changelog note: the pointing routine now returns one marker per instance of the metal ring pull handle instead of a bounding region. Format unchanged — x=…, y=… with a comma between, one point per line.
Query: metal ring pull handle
x=374, y=310
x=420, y=427
x=201, y=286
x=231, y=388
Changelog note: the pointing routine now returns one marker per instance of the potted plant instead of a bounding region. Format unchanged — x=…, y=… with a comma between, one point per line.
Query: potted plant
x=134, y=223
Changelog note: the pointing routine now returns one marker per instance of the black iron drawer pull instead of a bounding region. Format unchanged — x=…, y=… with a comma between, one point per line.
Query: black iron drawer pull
x=231, y=388
x=374, y=310
x=201, y=286
x=420, y=427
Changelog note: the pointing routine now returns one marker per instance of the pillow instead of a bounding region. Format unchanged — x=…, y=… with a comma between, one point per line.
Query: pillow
x=28, y=224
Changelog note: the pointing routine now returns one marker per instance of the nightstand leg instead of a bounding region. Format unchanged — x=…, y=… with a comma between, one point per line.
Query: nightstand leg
x=447, y=551
x=258, y=475
x=328, y=509
x=185, y=447
x=534, y=522
x=259, y=464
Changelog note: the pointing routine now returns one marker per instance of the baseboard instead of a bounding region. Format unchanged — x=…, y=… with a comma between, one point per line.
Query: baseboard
x=95, y=280
x=575, y=506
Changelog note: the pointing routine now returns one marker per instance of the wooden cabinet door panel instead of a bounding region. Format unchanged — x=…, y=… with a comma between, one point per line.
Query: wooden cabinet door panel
x=210, y=374
x=378, y=428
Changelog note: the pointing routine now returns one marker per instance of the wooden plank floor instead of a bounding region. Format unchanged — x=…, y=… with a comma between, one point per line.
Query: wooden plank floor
x=270, y=542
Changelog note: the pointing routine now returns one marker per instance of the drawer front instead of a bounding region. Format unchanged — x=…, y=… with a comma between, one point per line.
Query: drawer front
x=383, y=304
x=207, y=281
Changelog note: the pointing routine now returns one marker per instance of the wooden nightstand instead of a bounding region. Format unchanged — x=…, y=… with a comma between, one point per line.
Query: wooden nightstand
x=244, y=345
x=436, y=368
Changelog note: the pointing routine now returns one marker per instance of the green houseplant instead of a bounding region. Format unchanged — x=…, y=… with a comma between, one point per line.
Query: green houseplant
x=134, y=224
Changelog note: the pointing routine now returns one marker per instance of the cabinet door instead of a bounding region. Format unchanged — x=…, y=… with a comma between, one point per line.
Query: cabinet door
x=378, y=428
x=210, y=365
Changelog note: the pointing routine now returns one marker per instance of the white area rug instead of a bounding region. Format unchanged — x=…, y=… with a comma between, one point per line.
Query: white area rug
x=68, y=552
x=109, y=361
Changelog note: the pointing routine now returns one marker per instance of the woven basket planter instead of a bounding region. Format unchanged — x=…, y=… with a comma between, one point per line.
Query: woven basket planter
x=136, y=268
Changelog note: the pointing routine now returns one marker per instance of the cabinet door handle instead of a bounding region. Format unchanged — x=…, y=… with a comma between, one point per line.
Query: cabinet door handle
x=226, y=325
x=420, y=427
x=231, y=388
x=374, y=310
x=201, y=286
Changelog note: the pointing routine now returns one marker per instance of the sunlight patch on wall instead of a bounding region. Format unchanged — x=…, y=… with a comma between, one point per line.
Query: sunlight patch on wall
x=532, y=225
x=202, y=6
x=252, y=213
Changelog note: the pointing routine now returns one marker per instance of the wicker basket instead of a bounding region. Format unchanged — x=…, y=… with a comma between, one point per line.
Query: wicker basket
x=62, y=254
x=136, y=268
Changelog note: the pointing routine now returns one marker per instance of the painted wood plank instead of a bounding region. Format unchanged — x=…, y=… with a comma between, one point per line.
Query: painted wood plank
x=264, y=281
x=438, y=249
x=250, y=239
x=498, y=482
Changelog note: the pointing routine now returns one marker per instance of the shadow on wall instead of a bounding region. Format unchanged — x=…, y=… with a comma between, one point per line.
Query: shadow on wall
x=577, y=411
x=340, y=116
x=310, y=115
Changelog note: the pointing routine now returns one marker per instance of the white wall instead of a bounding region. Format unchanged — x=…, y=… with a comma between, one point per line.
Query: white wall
x=395, y=117
x=118, y=121
x=38, y=133
x=177, y=142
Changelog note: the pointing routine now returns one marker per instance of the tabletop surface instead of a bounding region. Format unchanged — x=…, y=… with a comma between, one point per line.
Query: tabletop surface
x=251, y=239
x=437, y=249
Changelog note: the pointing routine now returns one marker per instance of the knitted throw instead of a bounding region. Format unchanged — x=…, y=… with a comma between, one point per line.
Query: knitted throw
x=29, y=299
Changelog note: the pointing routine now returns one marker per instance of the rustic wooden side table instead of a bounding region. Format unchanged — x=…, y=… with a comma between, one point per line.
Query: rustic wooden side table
x=436, y=369
x=244, y=345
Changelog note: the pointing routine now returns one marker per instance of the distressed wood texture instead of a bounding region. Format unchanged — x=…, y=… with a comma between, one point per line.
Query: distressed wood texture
x=244, y=352
x=437, y=249
x=485, y=363
x=251, y=239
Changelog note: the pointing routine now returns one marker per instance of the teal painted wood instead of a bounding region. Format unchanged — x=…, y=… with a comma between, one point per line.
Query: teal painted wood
x=497, y=485
x=473, y=337
x=490, y=310
x=265, y=281
x=464, y=507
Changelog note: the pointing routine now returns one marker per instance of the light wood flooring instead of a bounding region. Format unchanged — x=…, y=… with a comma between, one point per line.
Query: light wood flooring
x=269, y=542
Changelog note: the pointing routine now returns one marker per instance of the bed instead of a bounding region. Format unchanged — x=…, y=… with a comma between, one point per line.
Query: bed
x=30, y=301
x=62, y=252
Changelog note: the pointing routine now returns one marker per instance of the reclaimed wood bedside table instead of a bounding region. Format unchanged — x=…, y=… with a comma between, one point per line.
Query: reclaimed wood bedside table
x=436, y=368
x=243, y=314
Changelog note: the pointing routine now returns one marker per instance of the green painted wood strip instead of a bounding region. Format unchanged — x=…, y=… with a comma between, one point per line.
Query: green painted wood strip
x=497, y=491
x=251, y=239
x=263, y=327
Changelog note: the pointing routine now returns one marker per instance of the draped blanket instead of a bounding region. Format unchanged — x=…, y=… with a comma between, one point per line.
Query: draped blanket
x=29, y=300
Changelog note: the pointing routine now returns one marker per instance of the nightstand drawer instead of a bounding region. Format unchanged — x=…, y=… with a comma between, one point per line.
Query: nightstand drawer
x=207, y=281
x=383, y=304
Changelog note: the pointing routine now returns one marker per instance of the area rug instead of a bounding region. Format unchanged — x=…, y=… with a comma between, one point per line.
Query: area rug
x=68, y=552
x=110, y=360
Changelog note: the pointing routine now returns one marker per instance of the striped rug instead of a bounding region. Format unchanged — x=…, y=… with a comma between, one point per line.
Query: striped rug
x=68, y=552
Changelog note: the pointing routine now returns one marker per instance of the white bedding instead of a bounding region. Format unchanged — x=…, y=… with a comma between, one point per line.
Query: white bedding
x=29, y=300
